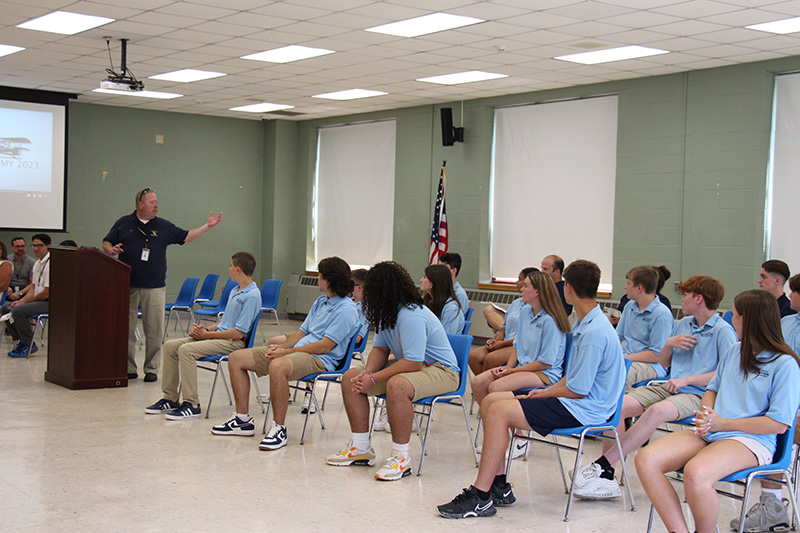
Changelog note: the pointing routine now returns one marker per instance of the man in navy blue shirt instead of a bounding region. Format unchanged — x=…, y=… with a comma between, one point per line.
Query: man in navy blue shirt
x=772, y=278
x=141, y=239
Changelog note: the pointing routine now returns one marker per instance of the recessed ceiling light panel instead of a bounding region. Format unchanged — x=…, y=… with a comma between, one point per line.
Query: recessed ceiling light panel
x=263, y=107
x=463, y=77
x=612, y=54
x=350, y=94
x=7, y=49
x=187, y=75
x=64, y=22
x=425, y=24
x=781, y=27
x=143, y=94
x=287, y=54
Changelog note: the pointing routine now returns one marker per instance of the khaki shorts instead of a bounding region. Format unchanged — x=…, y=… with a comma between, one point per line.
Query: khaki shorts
x=639, y=372
x=430, y=380
x=541, y=375
x=303, y=363
x=648, y=395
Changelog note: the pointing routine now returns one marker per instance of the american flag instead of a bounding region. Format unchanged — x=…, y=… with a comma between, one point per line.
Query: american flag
x=439, y=230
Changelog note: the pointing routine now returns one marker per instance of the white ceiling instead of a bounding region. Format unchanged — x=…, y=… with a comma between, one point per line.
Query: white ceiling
x=519, y=38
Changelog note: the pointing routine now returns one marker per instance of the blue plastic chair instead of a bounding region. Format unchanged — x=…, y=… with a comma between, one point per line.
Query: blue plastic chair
x=216, y=303
x=468, y=314
x=581, y=432
x=465, y=329
x=270, y=294
x=208, y=289
x=328, y=377
x=183, y=302
x=217, y=311
x=217, y=360
x=780, y=465
x=728, y=317
x=424, y=406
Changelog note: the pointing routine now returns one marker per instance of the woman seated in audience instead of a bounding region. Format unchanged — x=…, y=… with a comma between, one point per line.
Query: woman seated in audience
x=538, y=358
x=753, y=397
x=499, y=349
x=438, y=296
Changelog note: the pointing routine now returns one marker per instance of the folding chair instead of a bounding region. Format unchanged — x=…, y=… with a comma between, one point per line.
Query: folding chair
x=325, y=377
x=780, y=465
x=183, y=302
x=468, y=314
x=216, y=312
x=359, y=349
x=208, y=289
x=581, y=432
x=424, y=406
x=467, y=325
x=270, y=293
x=40, y=321
x=216, y=303
x=217, y=360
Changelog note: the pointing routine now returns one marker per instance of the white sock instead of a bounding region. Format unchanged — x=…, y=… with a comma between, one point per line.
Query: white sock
x=361, y=440
x=778, y=493
x=243, y=417
x=402, y=448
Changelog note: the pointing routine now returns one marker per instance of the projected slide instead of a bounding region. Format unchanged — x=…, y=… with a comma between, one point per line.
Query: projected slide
x=32, y=140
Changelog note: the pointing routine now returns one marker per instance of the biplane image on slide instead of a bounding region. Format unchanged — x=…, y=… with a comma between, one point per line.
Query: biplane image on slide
x=12, y=146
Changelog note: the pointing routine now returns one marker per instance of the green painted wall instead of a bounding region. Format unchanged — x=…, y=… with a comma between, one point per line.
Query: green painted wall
x=693, y=151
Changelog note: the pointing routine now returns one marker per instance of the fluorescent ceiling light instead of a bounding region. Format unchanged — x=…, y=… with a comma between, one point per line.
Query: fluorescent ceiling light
x=145, y=94
x=263, y=107
x=425, y=25
x=350, y=94
x=612, y=54
x=64, y=22
x=463, y=77
x=778, y=26
x=287, y=54
x=187, y=75
x=7, y=49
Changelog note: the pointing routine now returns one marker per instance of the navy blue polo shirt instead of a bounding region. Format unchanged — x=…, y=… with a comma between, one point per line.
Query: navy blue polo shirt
x=785, y=306
x=157, y=234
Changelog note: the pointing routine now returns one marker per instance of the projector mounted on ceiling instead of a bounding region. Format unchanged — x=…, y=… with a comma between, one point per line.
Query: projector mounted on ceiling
x=124, y=80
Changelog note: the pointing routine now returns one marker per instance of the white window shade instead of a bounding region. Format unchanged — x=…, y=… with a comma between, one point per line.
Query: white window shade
x=784, y=217
x=554, y=175
x=354, y=193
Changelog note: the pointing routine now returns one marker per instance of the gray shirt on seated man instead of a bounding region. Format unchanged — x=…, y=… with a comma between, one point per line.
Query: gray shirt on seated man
x=22, y=267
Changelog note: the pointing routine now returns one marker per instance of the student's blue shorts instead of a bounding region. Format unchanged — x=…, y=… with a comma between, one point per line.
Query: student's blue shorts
x=546, y=414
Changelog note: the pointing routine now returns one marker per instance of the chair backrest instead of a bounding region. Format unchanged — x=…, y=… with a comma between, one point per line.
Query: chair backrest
x=226, y=292
x=461, y=345
x=3, y=299
x=208, y=288
x=270, y=293
x=618, y=412
x=347, y=360
x=728, y=317
x=252, y=335
x=567, y=351
x=186, y=295
x=466, y=327
x=468, y=315
x=361, y=346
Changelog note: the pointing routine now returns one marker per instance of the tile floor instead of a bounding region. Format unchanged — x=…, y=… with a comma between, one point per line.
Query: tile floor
x=93, y=461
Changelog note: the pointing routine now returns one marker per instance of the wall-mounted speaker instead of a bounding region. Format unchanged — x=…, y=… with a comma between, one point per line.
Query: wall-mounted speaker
x=448, y=139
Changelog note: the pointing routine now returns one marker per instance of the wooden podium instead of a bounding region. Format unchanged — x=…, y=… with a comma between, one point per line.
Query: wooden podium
x=88, y=341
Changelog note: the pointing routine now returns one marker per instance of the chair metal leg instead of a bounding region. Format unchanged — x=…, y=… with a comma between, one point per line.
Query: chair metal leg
x=651, y=518
x=574, y=469
x=469, y=432
x=308, y=412
x=564, y=478
x=624, y=469
x=425, y=440
x=258, y=392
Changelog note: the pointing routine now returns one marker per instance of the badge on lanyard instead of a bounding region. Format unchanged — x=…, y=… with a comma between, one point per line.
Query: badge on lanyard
x=145, y=254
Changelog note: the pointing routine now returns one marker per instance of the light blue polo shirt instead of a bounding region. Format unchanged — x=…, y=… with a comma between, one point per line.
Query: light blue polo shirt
x=418, y=336
x=790, y=325
x=512, y=319
x=649, y=329
x=452, y=318
x=539, y=339
x=714, y=340
x=774, y=392
x=335, y=318
x=461, y=296
x=241, y=310
x=362, y=319
x=595, y=369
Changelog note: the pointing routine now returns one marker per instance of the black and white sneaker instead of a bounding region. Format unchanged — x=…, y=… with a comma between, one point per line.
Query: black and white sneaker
x=236, y=427
x=184, y=412
x=503, y=495
x=467, y=504
x=161, y=407
x=275, y=438
x=308, y=405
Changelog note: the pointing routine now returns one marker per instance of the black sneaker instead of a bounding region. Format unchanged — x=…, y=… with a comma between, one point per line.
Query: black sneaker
x=234, y=426
x=184, y=412
x=503, y=495
x=161, y=406
x=467, y=504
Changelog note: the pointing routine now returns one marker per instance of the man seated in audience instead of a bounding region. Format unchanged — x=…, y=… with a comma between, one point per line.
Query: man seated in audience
x=553, y=266
x=587, y=394
x=34, y=299
x=181, y=355
x=22, y=267
x=453, y=262
x=693, y=351
x=425, y=365
x=318, y=346
x=772, y=278
x=645, y=325
x=663, y=275
x=359, y=279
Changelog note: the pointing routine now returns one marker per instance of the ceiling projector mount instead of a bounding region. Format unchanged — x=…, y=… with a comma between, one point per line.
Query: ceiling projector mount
x=123, y=80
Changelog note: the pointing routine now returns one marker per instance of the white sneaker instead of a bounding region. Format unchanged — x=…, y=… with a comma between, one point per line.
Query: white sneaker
x=519, y=450
x=397, y=466
x=350, y=455
x=382, y=424
x=308, y=405
x=590, y=486
x=275, y=438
